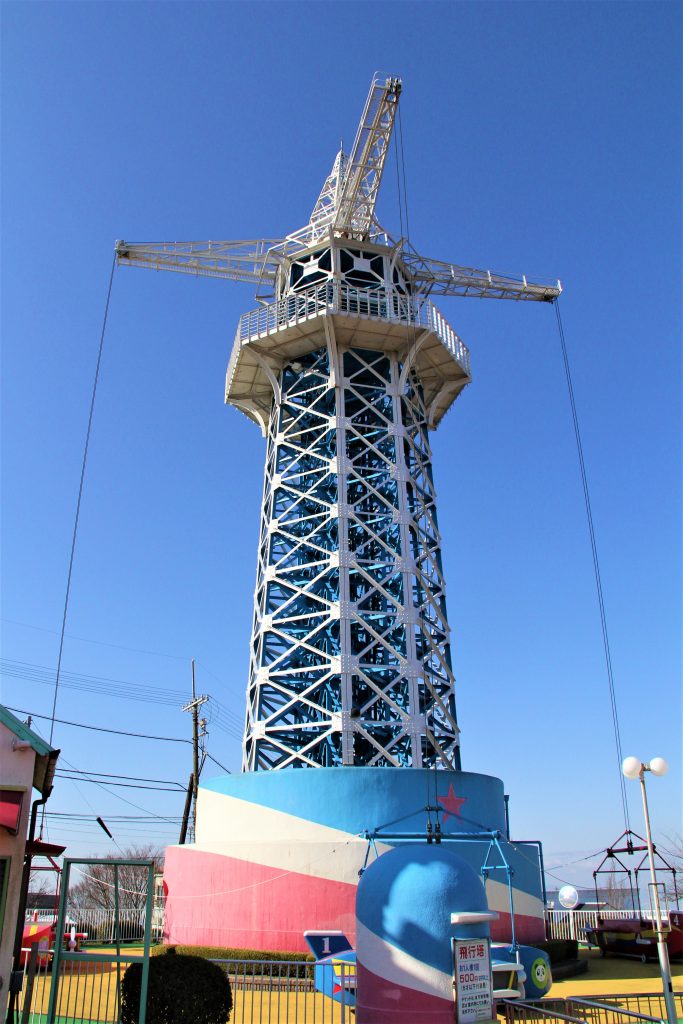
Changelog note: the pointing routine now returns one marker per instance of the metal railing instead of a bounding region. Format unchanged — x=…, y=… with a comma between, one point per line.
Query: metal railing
x=98, y=923
x=385, y=304
x=631, y=1008
x=270, y=992
x=572, y=924
x=88, y=991
x=620, y=1009
x=278, y=991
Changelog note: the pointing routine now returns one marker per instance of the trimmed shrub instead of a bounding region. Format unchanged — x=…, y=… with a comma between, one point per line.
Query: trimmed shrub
x=229, y=953
x=182, y=990
x=559, y=950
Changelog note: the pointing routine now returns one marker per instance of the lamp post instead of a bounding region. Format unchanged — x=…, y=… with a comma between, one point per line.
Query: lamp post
x=633, y=768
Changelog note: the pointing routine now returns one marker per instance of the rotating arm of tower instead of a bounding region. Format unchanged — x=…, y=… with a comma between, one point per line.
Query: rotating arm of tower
x=363, y=174
x=438, y=278
x=251, y=260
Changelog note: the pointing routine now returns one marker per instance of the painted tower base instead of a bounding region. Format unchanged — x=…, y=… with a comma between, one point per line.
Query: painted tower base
x=278, y=853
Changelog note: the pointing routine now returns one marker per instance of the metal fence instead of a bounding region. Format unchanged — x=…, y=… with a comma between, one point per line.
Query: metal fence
x=280, y=992
x=88, y=991
x=572, y=924
x=98, y=924
x=632, y=1008
x=288, y=992
x=263, y=992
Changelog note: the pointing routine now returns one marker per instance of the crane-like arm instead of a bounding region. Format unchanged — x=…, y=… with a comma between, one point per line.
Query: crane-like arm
x=356, y=205
x=438, y=278
x=250, y=260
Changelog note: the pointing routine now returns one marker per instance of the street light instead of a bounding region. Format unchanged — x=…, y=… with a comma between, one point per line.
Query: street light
x=633, y=768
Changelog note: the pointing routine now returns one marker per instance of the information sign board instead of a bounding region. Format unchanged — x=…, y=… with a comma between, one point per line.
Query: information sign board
x=473, y=984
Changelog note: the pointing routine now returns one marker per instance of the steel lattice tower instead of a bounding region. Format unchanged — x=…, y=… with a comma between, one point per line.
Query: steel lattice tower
x=347, y=367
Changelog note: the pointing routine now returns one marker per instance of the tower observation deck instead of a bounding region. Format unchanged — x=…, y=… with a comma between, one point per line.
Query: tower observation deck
x=347, y=366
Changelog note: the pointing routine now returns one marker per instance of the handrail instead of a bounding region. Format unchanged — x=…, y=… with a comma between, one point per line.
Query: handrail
x=593, y=1004
x=385, y=304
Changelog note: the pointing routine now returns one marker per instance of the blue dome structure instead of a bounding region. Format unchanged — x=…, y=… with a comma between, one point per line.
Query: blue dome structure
x=404, y=952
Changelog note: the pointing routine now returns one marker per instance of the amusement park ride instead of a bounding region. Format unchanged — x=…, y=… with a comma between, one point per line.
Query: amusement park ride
x=346, y=366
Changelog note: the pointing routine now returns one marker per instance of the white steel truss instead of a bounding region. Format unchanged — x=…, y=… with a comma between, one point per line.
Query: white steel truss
x=350, y=655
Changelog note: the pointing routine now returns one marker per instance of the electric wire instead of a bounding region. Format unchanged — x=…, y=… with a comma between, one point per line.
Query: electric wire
x=118, y=732
x=91, y=683
x=130, y=778
x=100, y=728
x=596, y=566
x=79, y=816
x=80, y=496
x=100, y=643
x=124, y=785
x=224, y=718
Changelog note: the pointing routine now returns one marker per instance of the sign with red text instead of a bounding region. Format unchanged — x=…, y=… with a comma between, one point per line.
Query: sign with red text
x=473, y=985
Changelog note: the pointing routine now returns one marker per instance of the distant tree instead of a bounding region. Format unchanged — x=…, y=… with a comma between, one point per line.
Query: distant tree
x=617, y=892
x=672, y=851
x=96, y=886
x=43, y=882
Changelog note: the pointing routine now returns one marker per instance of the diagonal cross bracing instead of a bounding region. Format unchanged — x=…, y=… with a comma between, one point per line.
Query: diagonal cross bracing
x=350, y=654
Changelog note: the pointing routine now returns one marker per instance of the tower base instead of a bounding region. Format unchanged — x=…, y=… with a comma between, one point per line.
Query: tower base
x=278, y=853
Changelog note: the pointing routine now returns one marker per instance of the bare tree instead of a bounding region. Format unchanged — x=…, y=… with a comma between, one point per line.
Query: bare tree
x=617, y=892
x=673, y=852
x=97, y=885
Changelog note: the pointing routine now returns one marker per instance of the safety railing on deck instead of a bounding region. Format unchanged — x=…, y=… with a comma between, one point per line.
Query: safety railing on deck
x=336, y=297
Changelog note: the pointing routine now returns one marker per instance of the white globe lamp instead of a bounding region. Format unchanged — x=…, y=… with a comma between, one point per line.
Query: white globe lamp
x=631, y=767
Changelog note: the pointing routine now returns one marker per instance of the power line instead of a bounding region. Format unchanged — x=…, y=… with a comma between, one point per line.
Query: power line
x=224, y=719
x=100, y=728
x=117, y=732
x=130, y=778
x=80, y=816
x=99, y=643
x=90, y=683
x=123, y=785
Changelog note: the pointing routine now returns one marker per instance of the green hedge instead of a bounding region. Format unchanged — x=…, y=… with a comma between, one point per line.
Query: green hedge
x=559, y=950
x=251, y=956
x=228, y=953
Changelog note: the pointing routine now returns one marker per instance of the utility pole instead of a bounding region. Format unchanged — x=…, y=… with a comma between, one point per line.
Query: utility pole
x=194, y=707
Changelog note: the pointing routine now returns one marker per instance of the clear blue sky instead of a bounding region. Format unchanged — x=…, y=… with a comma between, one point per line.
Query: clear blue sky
x=539, y=138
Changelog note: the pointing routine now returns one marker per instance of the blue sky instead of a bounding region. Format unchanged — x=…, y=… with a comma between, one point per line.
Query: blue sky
x=540, y=138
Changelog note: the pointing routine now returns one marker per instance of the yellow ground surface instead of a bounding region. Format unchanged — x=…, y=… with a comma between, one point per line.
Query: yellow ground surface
x=611, y=974
x=90, y=994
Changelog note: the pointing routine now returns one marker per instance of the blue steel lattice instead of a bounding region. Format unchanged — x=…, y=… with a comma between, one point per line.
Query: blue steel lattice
x=350, y=658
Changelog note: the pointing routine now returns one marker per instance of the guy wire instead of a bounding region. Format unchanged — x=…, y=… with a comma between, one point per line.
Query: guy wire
x=596, y=566
x=78, y=503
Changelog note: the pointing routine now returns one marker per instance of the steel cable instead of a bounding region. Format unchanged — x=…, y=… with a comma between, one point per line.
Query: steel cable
x=80, y=496
x=596, y=566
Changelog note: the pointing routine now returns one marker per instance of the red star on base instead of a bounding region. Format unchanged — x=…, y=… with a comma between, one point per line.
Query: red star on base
x=451, y=804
